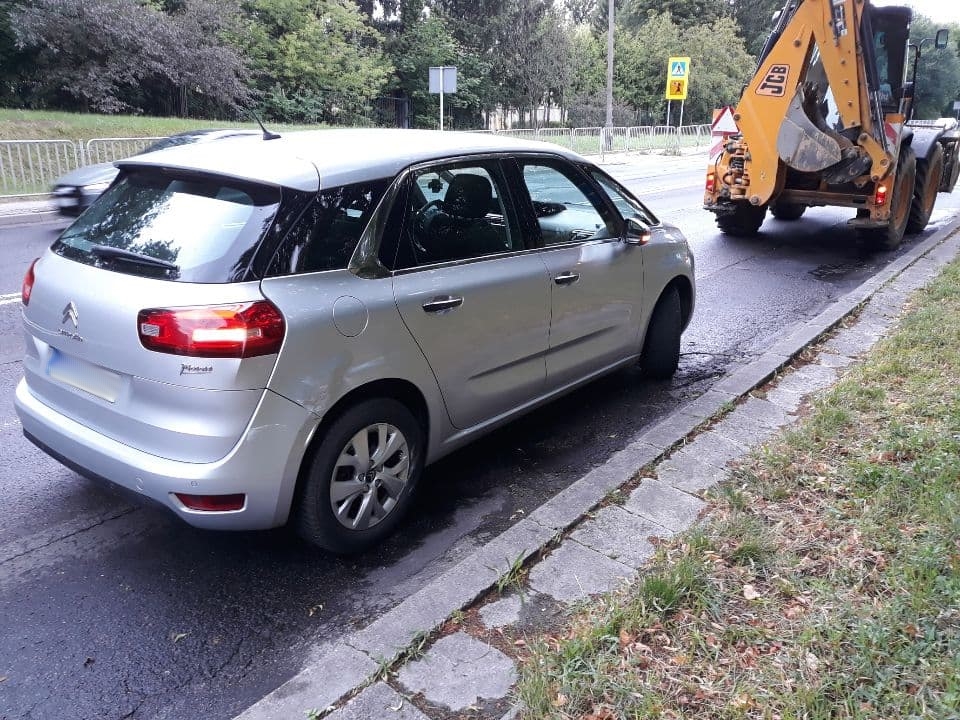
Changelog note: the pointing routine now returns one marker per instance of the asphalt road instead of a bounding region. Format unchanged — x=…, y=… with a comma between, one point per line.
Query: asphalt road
x=110, y=609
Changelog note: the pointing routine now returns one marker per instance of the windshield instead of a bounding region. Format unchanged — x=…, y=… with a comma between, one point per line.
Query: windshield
x=176, y=228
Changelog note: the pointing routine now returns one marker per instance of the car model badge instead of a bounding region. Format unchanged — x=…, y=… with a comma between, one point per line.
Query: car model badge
x=70, y=313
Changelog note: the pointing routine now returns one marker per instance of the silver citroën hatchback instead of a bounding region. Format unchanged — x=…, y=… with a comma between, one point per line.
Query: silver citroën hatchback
x=268, y=329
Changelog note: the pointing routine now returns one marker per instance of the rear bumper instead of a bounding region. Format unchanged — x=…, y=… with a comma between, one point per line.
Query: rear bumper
x=263, y=465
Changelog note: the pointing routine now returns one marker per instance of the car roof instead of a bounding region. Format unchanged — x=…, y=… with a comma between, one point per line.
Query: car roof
x=309, y=160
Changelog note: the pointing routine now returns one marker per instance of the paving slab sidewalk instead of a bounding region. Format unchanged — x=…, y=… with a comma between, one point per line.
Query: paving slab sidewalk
x=591, y=536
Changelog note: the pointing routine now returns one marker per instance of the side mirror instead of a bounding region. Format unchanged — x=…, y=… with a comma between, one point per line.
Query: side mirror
x=637, y=233
x=943, y=37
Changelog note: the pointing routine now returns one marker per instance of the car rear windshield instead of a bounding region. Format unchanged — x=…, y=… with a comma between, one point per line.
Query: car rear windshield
x=182, y=228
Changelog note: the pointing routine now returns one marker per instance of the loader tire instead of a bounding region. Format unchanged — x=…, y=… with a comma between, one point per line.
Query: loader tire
x=745, y=221
x=787, y=211
x=890, y=237
x=929, y=174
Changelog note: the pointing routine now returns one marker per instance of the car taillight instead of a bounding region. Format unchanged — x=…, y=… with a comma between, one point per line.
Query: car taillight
x=215, y=331
x=26, y=290
x=881, y=196
x=711, y=182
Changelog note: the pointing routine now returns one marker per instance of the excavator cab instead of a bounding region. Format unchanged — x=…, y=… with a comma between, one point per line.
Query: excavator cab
x=886, y=35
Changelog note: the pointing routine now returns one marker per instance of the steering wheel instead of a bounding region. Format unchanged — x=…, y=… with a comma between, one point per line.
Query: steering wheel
x=421, y=223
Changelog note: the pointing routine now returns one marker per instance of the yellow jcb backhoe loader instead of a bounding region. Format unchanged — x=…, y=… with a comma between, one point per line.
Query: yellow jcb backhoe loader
x=826, y=120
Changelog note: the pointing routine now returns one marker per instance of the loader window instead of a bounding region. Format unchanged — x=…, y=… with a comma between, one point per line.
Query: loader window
x=883, y=67
x=888, y=34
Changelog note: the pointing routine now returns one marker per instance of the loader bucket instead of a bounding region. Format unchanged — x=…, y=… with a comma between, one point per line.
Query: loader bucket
x=801, y=144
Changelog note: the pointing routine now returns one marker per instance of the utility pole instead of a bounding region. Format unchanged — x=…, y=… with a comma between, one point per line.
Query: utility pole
x=608, y=127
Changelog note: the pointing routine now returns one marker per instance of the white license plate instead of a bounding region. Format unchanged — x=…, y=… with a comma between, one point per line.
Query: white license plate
x=85, y=376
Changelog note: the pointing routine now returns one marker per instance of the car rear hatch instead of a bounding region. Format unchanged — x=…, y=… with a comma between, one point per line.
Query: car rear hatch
x=144, y=322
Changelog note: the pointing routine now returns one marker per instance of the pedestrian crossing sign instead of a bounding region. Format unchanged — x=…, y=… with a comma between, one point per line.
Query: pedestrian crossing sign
x=678, y=76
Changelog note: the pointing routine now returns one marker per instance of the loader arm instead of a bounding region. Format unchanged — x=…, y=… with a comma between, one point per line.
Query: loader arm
x=777, y=130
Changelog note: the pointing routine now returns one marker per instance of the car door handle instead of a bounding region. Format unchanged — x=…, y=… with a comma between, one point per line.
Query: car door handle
x=444, y=302
x=567, y=278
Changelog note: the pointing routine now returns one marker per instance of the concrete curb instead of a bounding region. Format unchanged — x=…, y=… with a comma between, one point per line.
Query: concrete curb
x=358, y=660
x=27, y=212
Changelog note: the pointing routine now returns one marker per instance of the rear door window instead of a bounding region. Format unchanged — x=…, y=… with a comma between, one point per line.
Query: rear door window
x=180, y=228
x=327, y=234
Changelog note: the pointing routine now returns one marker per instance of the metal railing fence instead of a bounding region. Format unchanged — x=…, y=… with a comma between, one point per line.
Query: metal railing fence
x=30, y=167
x=100, y=150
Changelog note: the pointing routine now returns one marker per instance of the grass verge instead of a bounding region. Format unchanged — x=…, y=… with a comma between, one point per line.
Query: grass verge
x=49, y=125
x=826, y=582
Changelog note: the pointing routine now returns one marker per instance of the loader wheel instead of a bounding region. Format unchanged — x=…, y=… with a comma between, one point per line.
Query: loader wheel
x=745, y=221
x=890, y=237
x=929, y=173
x=787, y=211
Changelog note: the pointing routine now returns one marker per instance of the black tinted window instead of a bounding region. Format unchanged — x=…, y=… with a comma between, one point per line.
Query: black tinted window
x=328, y=233
x=175, y=228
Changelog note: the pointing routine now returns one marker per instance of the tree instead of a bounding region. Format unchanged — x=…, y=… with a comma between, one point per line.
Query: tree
x=581, y=11
x=583, y=93
x=16, y=63
x=719, y=65
x=754, y=18
x=425, y=43
x=937, y=82
x=313, y=60
x=531, y=46
x=685, y=13
x=119, y=55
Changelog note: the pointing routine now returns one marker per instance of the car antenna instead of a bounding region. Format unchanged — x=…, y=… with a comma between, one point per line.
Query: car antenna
x=267, y=135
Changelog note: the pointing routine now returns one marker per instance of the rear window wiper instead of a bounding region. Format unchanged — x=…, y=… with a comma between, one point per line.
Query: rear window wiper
x=107, y=252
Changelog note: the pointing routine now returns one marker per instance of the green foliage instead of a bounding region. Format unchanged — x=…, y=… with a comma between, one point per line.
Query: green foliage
x=430, y=43
x=120, y=55
x=313, y=60
x=685, y=13
x=754, y=19
x=328, y=60
x=938, y=73
x=719, y=65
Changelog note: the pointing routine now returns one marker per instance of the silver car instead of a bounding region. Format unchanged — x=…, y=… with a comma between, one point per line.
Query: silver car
x=260, y=330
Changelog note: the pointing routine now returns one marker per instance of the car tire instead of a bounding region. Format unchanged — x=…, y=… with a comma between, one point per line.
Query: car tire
x=359, y=483
x=661, y=346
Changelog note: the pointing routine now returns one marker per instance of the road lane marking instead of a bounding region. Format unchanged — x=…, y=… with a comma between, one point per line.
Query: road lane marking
x=9, y=299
